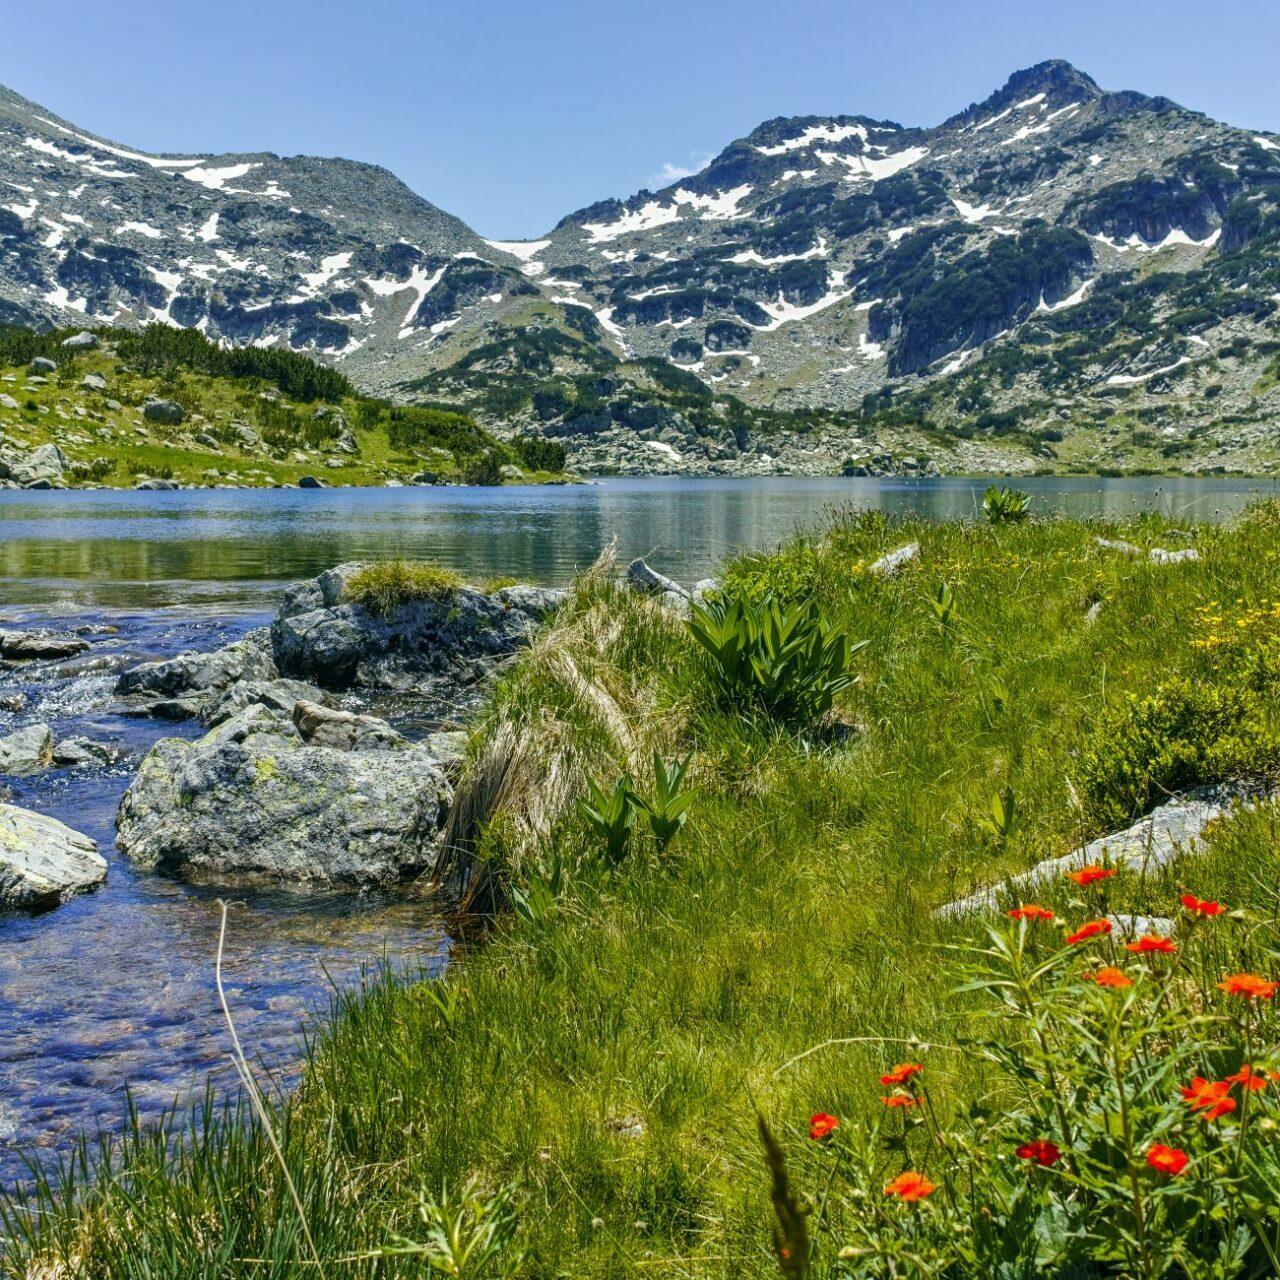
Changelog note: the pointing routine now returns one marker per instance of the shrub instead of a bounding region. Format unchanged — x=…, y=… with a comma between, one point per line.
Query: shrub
x=481, y=468
x=1184, y=734
x=384, y=587
x=1127, y=1130
x=785, y=660
x=1006, y=506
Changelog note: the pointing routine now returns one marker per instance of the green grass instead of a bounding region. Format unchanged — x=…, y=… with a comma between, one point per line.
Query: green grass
x=608, y=1055
x=384, y=586
x=110, y=443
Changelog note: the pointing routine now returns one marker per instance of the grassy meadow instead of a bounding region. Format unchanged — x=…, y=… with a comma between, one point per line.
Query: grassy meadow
x=578, y=1096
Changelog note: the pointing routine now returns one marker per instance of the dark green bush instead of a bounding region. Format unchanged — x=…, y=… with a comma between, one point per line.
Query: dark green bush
x=1185, y=734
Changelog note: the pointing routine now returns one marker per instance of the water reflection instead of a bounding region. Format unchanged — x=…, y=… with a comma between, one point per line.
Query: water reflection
x=155, y=548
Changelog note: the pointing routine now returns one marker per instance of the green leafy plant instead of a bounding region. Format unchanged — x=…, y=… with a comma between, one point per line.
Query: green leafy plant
x=1006, y=506
x=943, y=604
x=667, y=808
x=611, y=815
x=537, y=899
x=1185, y=734
x=786, y=660
x=999, y=822
x=469, y=1235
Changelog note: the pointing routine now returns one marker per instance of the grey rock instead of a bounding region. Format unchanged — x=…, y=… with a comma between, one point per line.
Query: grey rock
x=323, y=726
x=251, y=798
x=310, y=482
x=890, y=565
x=277, y=695
x=42, y=364
x=644, y=578
x=1134, y=926
x=169, y=411
x=156, y=485
x=508, y=471
x=46, y=462
x=27, y=751
x=1113, y=544
x=202, y=673
x=537, y=602
x=93, y=382
x=8, y=402
x=82, y=341
x=79, y=750
x=1158, y=555
x=448, y=747
x=1163, y=835
x=31, y=645
x=43, y=862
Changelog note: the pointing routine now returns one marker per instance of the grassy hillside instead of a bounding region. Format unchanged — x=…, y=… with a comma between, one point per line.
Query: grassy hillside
x=595, y=1061
x=252, y=418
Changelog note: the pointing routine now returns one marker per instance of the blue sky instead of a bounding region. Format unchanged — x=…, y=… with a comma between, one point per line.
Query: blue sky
x=514, y=114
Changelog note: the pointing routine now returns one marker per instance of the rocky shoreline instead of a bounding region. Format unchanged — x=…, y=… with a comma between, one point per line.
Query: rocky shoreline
x=285, y=784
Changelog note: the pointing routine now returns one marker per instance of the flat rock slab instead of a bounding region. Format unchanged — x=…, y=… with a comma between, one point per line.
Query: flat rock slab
x=1159, y=838
x=28, y=646
x=43, y=862
x=888, y=566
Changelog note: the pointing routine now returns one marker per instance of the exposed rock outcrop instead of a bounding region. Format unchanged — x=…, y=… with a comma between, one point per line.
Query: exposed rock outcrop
x=318, y=636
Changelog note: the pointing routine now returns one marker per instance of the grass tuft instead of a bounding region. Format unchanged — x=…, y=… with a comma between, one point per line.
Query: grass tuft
x=387, y=585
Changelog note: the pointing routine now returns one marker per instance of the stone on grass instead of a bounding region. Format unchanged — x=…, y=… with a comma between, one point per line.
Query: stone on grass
x=888, y=566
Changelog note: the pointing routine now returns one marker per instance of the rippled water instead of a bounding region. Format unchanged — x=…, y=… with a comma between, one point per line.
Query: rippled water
x=116, y=988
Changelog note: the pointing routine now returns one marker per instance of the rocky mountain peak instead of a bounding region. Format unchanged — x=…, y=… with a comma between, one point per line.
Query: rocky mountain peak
x=1055, y=82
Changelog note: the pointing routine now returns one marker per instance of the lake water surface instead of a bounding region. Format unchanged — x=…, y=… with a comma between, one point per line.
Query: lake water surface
x=116, y=988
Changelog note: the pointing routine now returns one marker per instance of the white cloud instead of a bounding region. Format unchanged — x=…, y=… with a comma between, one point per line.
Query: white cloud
x=671, y=172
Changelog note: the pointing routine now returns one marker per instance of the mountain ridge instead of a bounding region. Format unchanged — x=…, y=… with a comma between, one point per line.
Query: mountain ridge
x=819, y=264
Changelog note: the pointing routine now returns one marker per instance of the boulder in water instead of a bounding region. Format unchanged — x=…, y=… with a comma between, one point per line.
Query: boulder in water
x=43, y=862
x=254, y=799
x=27, y=751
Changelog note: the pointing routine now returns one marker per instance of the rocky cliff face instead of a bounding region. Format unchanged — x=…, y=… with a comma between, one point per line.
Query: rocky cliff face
x=1023, y=265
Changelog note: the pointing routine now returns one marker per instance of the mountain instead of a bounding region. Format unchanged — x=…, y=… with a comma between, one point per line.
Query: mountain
x=1058, y=276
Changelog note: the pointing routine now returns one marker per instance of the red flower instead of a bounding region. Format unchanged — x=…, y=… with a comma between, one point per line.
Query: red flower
x=1030, y=911
x=1201, y=906
x=1090, y=874
x=822, y=1126
x=1223, y=1108
x=1152, y=942
x=1110, y=977
x=1203, y=1093
x=1041, y=1151
x=910, y=1186
x=1249, y=986
x=901, y=1072
x=1094, y=929
x=900, y=1100
x=1167, y=1159
x=1251, y=1078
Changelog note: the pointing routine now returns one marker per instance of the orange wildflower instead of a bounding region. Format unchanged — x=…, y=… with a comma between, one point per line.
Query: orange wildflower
x=1167, y=1159
x=1223, y=1108
x=901, y=1072
x=1203, y=1093
x=910, y=1186
x=1090, y=874
x=1042, y=1151
x=1110, y=977
x=1094, y=929
x=1251, y=1078
x=1152, y=942
x=1201, y=906
x=822, y=1126
x=1030, y=911
x=900, y=1100
x=1249, y=986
